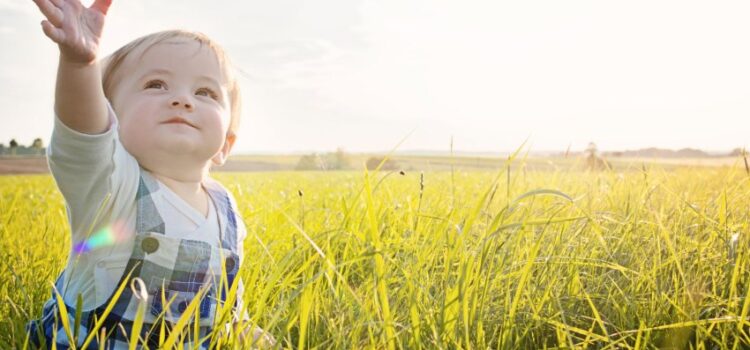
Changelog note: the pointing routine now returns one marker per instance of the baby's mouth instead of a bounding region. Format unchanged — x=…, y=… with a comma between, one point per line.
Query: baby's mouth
x=179, y=120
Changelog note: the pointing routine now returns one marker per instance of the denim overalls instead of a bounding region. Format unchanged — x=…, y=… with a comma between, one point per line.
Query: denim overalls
x=173, y=270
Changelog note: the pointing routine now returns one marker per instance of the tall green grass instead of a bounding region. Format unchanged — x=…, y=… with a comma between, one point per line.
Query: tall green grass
x=517, y=259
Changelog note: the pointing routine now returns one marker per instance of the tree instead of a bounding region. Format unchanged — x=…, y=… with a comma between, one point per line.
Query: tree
x=591, y=150
x=38, y=146
x=340, y=160
x=737, y=152
x=593, y=161
x=13, y=146
x=307, y=162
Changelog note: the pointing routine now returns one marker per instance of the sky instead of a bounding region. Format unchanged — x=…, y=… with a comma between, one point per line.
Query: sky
x=365, y=75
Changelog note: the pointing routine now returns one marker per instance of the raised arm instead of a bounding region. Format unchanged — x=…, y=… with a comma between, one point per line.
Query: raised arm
x=79, y=97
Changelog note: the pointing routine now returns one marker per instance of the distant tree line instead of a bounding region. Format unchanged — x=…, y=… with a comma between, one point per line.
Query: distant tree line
x=597, y=161
x=668, y=153
x=653, y=152
x=36, y=148
x=339, y=160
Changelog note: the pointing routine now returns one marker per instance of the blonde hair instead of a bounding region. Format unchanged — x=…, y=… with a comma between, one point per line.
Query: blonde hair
x=113, y=63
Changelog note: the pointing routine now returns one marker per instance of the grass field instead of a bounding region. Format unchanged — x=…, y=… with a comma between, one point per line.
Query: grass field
x=513, y=258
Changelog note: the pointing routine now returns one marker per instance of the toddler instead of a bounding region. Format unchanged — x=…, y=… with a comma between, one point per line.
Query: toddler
x=134, y=138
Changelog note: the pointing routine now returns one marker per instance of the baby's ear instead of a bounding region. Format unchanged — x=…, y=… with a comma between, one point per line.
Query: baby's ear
x=220, y=158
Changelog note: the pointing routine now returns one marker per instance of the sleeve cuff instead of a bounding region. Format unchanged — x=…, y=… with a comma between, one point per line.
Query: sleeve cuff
x=65, y=140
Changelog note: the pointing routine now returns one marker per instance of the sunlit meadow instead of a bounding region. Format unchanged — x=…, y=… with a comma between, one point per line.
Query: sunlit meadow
x=515, y=258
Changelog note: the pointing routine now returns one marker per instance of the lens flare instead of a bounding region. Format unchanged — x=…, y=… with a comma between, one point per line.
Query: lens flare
x=108, y=235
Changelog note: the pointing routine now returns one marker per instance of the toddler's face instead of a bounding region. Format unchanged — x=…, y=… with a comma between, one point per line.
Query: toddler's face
x=172, y=104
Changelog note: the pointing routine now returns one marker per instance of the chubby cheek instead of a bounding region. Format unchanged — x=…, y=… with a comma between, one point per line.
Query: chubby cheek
x=135, y=133
x=218, y=127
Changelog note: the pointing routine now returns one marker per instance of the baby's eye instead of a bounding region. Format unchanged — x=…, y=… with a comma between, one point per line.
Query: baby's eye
x=207, y=92
x=155, y=84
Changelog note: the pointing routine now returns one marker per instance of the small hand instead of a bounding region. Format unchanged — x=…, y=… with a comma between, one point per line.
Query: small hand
x=75, y=28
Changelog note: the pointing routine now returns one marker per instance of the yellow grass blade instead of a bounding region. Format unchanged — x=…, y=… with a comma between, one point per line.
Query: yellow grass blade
x=95, y=330
x=64, y=318
x=177, y=329
x=140, y=292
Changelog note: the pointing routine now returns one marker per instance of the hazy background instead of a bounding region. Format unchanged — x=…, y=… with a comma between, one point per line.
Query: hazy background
x=363, y=74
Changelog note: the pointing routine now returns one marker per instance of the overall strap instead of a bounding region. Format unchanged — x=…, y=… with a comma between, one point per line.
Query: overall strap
x=228, y=214
x=148, y=218
x=230, y=223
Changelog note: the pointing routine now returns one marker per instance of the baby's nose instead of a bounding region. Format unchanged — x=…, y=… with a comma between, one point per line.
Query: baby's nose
x=177, y=103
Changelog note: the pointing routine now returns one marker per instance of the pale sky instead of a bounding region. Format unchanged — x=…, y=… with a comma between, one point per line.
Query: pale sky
x=364, y=74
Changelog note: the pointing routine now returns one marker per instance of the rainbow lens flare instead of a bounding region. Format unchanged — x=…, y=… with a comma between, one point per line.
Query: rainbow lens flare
x=108, y=235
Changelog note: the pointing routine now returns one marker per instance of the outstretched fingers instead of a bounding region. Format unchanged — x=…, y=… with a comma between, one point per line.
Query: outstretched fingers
x=53, y=13
x=51, y=9
x=101, y=6
x=56, y=34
